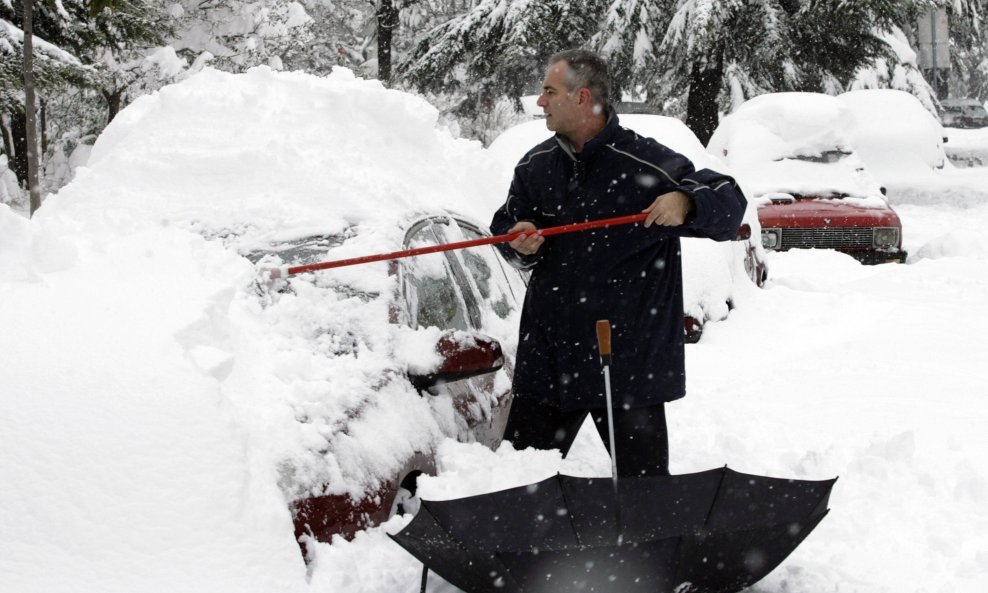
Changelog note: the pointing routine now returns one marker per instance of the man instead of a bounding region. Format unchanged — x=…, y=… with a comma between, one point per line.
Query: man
x=592, y=169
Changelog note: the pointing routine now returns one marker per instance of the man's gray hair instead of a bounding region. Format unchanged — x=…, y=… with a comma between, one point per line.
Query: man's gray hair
x=586, y=69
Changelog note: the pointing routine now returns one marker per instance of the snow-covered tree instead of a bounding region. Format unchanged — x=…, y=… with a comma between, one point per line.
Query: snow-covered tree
x=969, y=48
x=498, y=48
x=897, y=70
x=30, y=66
x=715, y=52
x=235, y=35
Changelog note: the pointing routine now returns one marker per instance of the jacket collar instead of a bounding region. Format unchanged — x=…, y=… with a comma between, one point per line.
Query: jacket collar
x=594, y=144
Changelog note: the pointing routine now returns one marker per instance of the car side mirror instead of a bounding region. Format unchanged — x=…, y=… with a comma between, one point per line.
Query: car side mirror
x=744, y=232
x=464, y=355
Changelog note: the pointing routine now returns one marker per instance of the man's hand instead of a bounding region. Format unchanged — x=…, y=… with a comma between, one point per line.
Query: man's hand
x=529, y=242
x=669, y=209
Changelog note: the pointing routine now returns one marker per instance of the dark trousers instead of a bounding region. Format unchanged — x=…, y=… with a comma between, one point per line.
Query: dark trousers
x=640, y=434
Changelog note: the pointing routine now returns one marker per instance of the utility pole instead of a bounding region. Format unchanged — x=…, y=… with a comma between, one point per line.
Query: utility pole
x=933, y=28
x=30, y=113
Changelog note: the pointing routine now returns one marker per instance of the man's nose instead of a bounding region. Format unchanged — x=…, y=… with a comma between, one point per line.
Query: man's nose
x=542, y=102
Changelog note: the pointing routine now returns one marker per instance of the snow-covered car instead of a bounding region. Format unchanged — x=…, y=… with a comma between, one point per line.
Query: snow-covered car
x=963, y=113
x=713, y=271
x=895, y=136
x=793, y=153
x=448, y=301
x=338, y=386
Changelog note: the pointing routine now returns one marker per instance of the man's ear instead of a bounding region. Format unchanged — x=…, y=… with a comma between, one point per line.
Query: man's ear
x=584, y=95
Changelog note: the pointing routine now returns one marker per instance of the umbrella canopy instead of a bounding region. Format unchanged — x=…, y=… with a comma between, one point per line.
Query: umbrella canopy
x=714, y=531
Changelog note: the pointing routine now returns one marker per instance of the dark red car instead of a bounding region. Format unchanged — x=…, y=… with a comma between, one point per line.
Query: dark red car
x=361, y=470
x=872, y=235
x=792, y=155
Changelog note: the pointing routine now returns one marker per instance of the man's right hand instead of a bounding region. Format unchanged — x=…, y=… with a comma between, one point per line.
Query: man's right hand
x=529, y=242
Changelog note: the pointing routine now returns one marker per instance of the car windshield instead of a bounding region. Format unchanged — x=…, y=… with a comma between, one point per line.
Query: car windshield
x=305, y=250
x=827, y=156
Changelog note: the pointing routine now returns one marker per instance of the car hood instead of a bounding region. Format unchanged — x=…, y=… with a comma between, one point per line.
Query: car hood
x=826, y=212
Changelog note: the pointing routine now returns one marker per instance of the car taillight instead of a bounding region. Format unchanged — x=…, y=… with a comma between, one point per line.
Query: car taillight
x=885, y=237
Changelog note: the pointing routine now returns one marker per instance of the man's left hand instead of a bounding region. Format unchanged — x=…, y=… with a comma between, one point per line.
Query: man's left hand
x=669, y=209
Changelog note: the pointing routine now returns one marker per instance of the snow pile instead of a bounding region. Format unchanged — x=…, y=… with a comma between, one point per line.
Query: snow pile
x=286, y=153
x=159, y=410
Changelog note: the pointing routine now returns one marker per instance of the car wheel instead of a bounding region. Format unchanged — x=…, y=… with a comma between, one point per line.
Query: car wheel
x=694, y=329
x=406, y=499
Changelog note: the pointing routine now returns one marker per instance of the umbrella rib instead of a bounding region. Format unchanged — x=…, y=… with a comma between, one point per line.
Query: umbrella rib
x=682, y=540
x=507, y=575
x=569, y=515
x=710, y=511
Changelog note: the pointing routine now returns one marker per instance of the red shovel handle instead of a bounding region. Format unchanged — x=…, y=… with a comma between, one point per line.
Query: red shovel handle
x=556, y=230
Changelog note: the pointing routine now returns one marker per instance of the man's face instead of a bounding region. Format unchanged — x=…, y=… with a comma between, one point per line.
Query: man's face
x=557, y=101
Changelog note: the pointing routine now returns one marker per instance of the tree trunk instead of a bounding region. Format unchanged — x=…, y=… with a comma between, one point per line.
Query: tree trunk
x=30, y=113
x=701, y=106
x=113, y=100
x=18, y=154
x=387, y=24
x=7, y=132
x=43, y=125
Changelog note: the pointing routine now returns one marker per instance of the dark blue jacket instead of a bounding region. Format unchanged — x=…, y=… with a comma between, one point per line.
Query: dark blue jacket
x=627, y=274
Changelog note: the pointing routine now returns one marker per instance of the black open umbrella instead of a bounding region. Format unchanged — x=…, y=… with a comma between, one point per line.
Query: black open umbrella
x=716, y=531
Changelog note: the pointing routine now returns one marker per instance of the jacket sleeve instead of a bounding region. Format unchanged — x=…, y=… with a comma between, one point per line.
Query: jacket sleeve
x=519, y=207
x=719, y=205
x=719, y=202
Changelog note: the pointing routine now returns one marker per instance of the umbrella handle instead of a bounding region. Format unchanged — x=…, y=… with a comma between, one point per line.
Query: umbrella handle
x=604, y=346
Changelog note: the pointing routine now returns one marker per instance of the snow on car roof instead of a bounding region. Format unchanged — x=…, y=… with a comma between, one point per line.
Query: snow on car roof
x=280, y=155
x=798, y=143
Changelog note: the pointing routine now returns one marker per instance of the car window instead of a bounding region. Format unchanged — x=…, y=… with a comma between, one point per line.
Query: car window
x=499, y=291
x=433, y=295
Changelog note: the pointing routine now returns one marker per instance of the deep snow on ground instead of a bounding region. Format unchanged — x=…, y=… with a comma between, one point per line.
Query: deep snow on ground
x=874, y=374
x=137, y=455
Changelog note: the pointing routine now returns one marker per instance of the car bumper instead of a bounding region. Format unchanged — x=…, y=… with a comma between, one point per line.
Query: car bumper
x=869, y=258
